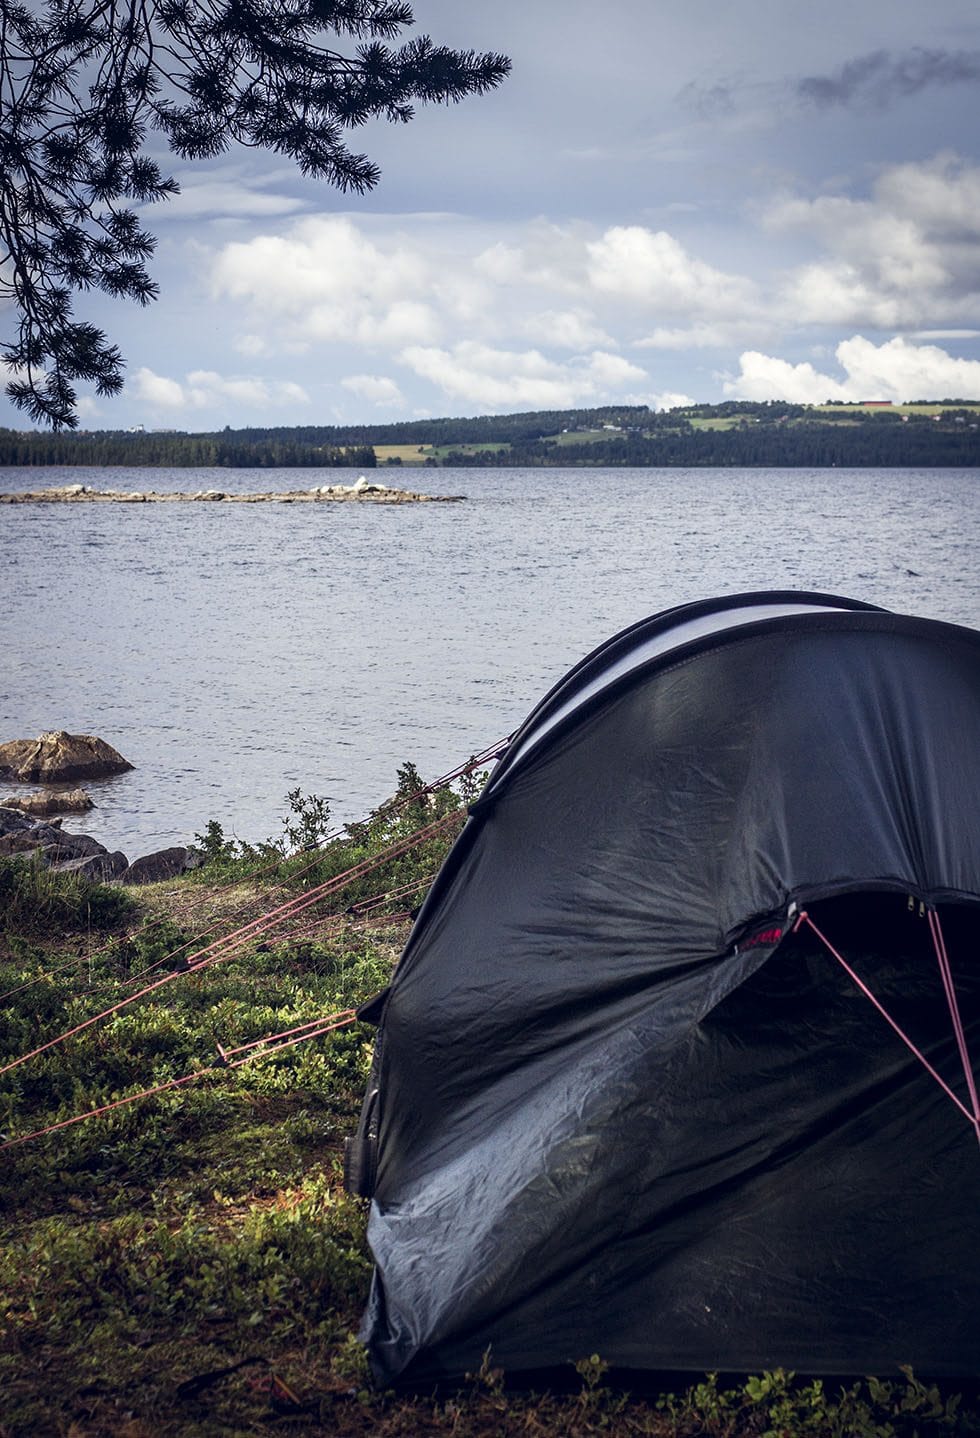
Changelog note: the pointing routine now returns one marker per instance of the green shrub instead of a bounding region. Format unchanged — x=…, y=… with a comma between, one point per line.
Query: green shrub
x=37, y=900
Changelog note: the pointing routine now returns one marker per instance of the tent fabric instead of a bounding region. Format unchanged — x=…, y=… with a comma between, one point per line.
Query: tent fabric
x=617, y=1106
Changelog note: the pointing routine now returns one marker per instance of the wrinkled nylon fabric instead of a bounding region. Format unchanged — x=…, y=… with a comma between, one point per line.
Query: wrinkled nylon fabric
x=600, y=1130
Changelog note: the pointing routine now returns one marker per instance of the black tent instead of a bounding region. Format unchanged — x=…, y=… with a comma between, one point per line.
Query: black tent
x=674, y=1068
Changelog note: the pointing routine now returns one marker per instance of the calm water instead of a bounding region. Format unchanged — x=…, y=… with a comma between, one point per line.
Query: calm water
x=234, y=652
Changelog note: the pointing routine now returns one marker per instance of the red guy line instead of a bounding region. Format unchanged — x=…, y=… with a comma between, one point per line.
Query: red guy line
x=231, y=944
x=973, y=1120
x=939, y=944
x=164, y=1087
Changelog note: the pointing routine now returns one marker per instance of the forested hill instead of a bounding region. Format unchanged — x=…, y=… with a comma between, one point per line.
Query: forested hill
x=737, y=433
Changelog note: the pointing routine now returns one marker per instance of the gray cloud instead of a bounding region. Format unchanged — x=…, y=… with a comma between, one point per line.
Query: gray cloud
x=879, y=78
x=710, y=102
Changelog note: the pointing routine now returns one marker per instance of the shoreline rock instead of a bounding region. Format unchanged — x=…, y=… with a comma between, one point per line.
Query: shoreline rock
x=56, y=756
x=66, y=853
x=365, y=491
x=41, y=804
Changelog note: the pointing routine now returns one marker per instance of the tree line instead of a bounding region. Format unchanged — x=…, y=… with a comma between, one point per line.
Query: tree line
x=737, y=432
x=177, y=451
x=810, y=445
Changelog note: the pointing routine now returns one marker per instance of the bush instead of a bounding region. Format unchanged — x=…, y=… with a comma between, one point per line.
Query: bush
x=37, y=900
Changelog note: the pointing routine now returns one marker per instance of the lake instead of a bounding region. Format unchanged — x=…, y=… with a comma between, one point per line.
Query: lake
x=232, y=653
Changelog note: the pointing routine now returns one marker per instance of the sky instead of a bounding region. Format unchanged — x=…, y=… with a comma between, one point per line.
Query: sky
x=663, y=203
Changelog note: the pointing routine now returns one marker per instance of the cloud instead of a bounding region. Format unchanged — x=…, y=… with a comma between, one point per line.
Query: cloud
x=326, y=281
x=329, y=281
x=941, y=195
x=543, y=256
x=669, y=399
x=945, y=335
x=205, y=388
x=873, y=81
x=495, y=379
x=251, y=345
x=207, y=197
x=378, y=389
x=565, y=329
x=157, y=390
x=908, y=257
x=696, y=336
x=652, y=268
x=535, y=319
x=712, y=101
x=895, y=370
x=879, y=79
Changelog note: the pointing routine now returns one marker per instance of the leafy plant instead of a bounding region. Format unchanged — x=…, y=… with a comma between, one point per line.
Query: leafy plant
x=308, y=822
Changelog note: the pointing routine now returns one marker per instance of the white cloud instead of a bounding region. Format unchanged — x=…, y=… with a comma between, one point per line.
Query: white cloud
x=157, y=390
x=251, y=345
x=497, y=378
x=211, y=197
x=612, y=370
x=669, y=399
x=326, y=281
x=904, y=371
x=565, y=329
x=763, y=377
x=205, y=388
x=895, y=370
x=907, y=257
x=652, y=267
x=531, y=314
x=942, y=195
x=541, y=256
x=378, y=389
x=696, y=336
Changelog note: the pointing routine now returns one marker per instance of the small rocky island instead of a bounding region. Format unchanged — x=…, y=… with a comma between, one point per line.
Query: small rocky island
x=364, y=491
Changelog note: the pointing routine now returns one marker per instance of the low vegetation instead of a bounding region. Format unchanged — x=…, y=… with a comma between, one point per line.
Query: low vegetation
x=188, y=1263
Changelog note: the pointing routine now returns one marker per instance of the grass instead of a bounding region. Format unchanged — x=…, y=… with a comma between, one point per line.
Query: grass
x=418, y=453
x=926, y=409
x=728, y=421
x=405, y=453
x=583, y=436
x=442, y=451
x=189, y=1264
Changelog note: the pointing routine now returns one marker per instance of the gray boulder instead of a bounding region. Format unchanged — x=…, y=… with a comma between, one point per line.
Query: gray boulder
x=57, y=756
x=97, y=868
x=12, y=821
x=151, y=868
x=41, y=802
x=21, y=834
